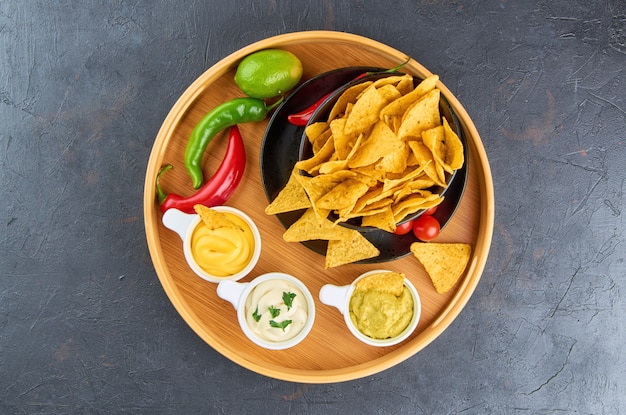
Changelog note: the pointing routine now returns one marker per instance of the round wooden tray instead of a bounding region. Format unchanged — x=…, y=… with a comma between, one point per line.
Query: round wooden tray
x=330, y=353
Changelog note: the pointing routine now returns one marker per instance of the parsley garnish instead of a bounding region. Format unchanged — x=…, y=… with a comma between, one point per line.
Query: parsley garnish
x=274, y=312
x=280, y=325
x=255, y=315
x=288, y=299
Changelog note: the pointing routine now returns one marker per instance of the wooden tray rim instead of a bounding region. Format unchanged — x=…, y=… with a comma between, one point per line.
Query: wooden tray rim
x=427, y=335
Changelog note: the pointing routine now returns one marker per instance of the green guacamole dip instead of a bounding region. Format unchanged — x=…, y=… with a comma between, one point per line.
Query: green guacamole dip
x=381, y=315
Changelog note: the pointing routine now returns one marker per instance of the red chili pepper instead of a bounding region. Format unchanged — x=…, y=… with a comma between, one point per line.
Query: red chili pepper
x=301, y=118
x=219, y=187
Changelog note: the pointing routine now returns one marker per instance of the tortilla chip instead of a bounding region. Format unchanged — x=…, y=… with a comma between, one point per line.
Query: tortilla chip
x=365, y=111
x=310, y=227
x=383, y=220
x=214, y=219
x=344, y=195
x=405, y=85
x=405, y=178
x=349, y=250
x=395, y=162
x=389, y=93
x=291, y=197
x=319, y=141
x=392, y=80
x=454, y=156
x=434, y=140
x=315, y=188
x=413, y=203
x=381, y=142
x=313, y=131
x=444, y=262
x=387, y=282
x=426, y=160
x=309, y=165
x=398, y=107
x=332, y=166
x=421, y=116
x=347, y=97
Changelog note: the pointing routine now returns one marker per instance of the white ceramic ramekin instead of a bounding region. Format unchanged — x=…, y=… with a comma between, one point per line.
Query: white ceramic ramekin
x=184, y=224
x=237, y=293
x=339, y=297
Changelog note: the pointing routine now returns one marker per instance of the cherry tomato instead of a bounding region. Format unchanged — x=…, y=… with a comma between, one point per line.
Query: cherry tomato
x=426, y=228
x=404, y=228
x=431, y=211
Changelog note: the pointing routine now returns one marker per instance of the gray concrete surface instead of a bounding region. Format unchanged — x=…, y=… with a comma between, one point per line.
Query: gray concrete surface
x=85, y=326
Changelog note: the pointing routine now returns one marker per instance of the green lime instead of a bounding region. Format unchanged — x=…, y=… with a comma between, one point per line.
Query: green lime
x=268, y=73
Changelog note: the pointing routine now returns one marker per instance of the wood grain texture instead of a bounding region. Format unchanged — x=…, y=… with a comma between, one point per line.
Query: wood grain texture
x=329, y=353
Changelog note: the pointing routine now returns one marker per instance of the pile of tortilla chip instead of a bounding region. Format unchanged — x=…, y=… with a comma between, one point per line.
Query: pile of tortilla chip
x=384, y=153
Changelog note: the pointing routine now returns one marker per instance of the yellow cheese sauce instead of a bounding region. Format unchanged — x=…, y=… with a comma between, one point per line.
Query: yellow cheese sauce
x=276, y=310
x=223, y=251
x=379, y=314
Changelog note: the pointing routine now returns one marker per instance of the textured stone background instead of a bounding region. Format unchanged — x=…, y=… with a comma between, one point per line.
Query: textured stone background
x=85, y=326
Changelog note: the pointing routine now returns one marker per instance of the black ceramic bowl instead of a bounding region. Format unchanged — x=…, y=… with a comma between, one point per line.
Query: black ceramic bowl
x=323, y=111
x=281, y=148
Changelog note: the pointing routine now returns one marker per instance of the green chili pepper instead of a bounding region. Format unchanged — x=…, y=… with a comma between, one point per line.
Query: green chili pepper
x=161, y=195
x=227, y=114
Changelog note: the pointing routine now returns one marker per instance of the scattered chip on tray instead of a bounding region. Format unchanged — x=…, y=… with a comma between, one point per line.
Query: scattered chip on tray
x=444, y=262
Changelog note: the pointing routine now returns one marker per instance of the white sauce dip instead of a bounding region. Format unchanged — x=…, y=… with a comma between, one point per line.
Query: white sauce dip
x=269, y=317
